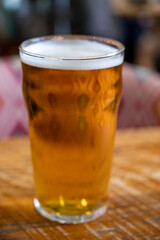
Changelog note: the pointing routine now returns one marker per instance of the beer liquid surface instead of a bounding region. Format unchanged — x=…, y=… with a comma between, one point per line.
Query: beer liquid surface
x=72, y=118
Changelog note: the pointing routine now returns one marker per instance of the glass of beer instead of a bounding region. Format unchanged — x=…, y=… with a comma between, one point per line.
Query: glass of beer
x=72, y=87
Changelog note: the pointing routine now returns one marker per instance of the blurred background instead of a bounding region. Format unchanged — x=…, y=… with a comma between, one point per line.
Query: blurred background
x=136, y=23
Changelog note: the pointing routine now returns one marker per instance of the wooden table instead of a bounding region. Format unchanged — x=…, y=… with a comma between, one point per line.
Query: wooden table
x=134, y=204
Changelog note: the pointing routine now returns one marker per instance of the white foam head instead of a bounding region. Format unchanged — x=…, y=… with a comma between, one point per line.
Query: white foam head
x=70, y=54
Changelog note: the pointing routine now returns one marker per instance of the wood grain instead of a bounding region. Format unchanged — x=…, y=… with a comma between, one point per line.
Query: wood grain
x=134, y=204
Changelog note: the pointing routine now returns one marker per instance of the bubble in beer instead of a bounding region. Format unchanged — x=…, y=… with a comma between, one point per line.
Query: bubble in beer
x=52, y=100
x=82, y=101
x=96, y=86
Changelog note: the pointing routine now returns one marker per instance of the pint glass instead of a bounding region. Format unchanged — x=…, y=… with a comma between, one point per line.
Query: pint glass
x=72, y=87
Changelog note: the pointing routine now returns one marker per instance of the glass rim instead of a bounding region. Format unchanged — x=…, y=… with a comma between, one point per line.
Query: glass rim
x=108, y=41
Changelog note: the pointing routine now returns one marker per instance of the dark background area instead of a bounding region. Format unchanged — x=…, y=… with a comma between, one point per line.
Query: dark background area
x=131, y=23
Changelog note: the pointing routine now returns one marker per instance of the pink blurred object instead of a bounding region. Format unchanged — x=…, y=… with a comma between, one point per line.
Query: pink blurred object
x=140, y=103
x=13, y=116
x=139, y=107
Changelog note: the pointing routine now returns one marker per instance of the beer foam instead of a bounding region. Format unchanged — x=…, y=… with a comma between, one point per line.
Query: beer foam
x=70, y=54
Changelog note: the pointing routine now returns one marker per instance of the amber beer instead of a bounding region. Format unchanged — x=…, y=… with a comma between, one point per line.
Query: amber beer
x=72, y=96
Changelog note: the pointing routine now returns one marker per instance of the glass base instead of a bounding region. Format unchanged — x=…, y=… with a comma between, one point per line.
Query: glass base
x=66, y=218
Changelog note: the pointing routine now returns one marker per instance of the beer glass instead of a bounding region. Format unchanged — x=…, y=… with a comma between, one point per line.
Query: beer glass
x=72, y=87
